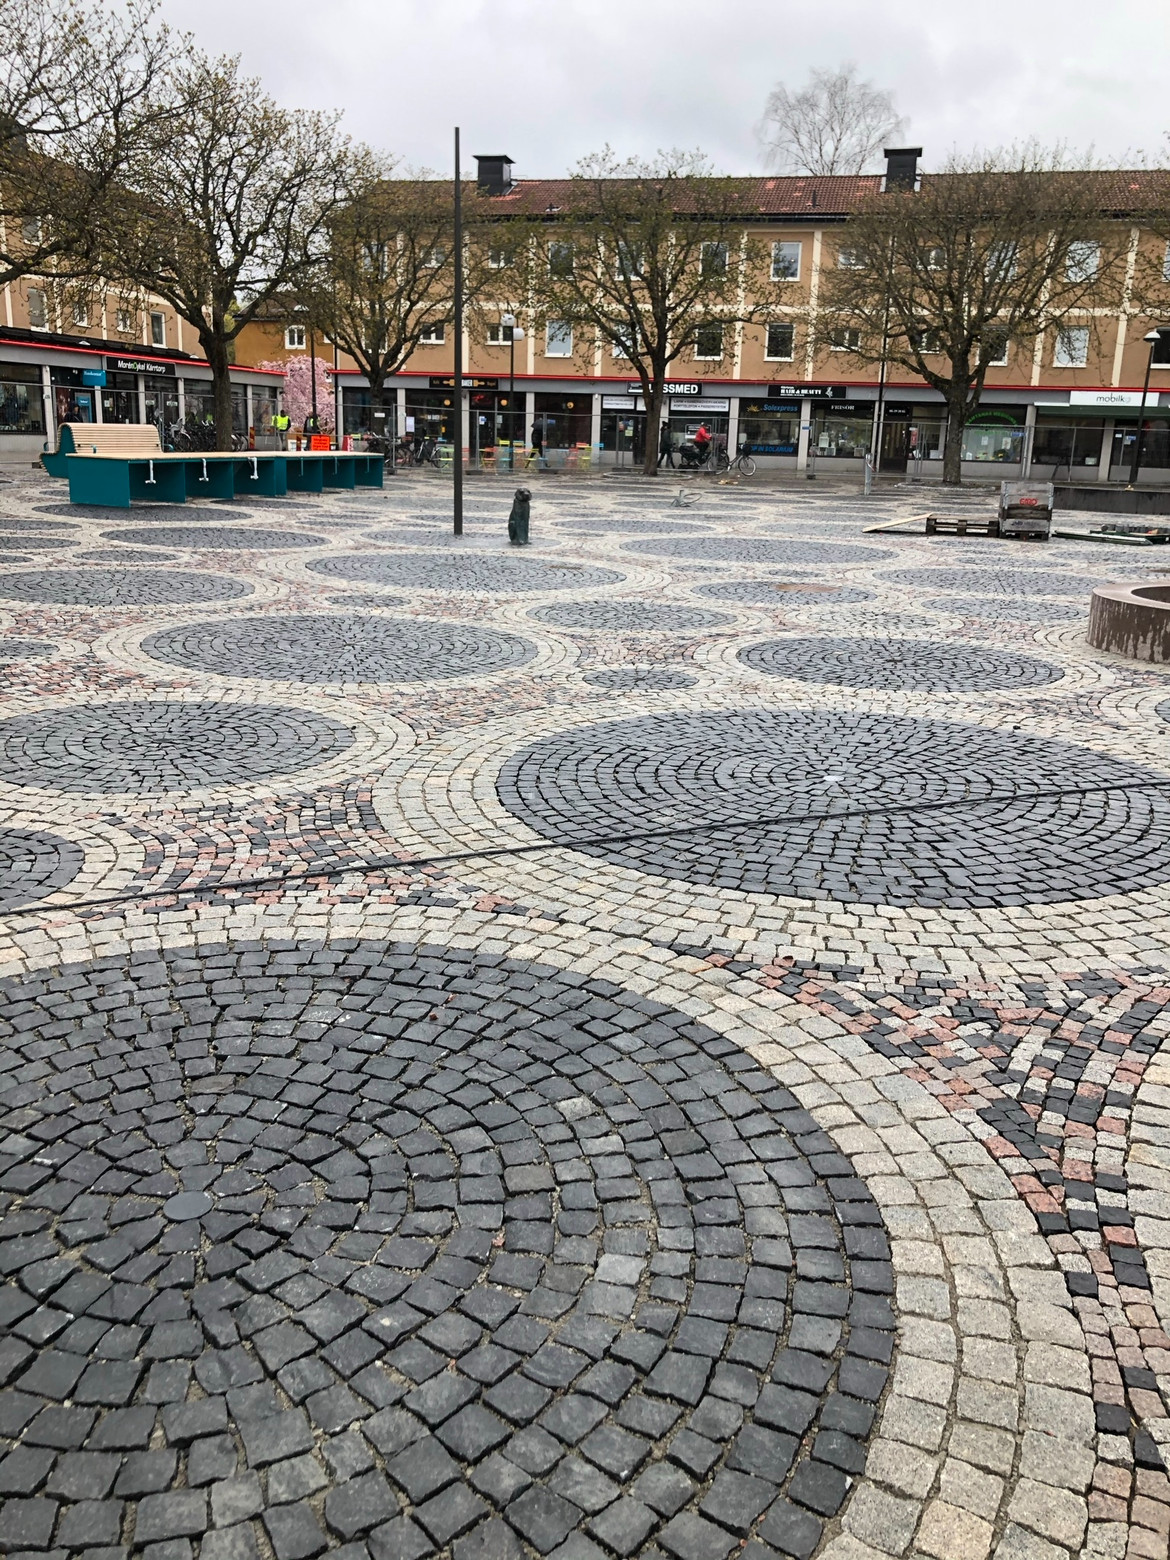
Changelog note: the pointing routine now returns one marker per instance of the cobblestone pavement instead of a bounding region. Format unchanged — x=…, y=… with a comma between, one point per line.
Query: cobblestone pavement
x=653, y=1045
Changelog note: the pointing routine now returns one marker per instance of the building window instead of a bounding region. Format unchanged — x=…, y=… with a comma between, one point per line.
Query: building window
x=560, y=259
x=850, y=260
x=1166, y=265
x=125, y=321
x=713, y=259
x=38, y=314
x=709, y=341
x=432, y=335
x=499, y=335
x=30, y=231
x=928, y=342
x=501, y=259
x=1082, y=261
x=995, y=346
x=158, y=328
x=845, y=340
x=558, y=341
x=80, y=315
x=935, y=258
x=1072, y=347
x=1162, y=350
x=785, y=262
x=629, y=259
x=779, y=342
x=434, y=258
x=618, y=351
x=294, y=338
x=1001, y=261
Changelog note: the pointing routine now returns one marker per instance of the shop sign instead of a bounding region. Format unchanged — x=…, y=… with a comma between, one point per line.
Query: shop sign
x=896, y=411
x=622, y=403
x=93, y=376
x=671, y=387
x=808, y=392
x=754, y=408
x=1109, y=398
x=125, y=365
x=708, y=404
x=447, y=382
x=850, y=409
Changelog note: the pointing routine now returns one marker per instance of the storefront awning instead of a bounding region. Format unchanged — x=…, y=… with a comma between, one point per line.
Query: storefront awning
x=1101, y=412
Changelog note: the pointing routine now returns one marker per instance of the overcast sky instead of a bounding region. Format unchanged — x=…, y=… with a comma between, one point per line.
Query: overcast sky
x=551, y=81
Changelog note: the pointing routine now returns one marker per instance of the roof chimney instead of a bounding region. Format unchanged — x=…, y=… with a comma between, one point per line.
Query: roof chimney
x=495, y=174
x=902, y=167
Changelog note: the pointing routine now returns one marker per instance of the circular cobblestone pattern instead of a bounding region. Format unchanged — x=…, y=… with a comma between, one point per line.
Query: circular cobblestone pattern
x=757, y=549
x=34, y=865
x=461, y=571
x=1007, y=609
x=339, y=647
x=25, y=650
x=903, y=812
x=158, y=745
x=28, y=544
x=98, y=587
x=998, y=582
x=166, y=512
x=779, y=593
x=16, y=523
x=216, y=538
x=640, y=679
x=629, y=526
x=911, y=665
x=643, y=616
x=130, y=555
x=366, y=1247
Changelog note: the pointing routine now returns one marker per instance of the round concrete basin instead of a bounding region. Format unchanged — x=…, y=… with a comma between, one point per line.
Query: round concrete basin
x=1132, y=620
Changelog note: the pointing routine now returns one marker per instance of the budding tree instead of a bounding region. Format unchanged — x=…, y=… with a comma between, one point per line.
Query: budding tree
x=834, y=124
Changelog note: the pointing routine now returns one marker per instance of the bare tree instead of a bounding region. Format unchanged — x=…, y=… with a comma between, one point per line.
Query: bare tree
x=834, y=124
x=653, y=259
x=233, y=201
x=387, y=279
x=987, y=255
x=78, y=97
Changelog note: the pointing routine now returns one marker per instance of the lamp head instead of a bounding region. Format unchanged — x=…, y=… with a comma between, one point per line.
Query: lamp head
x=1152, y=335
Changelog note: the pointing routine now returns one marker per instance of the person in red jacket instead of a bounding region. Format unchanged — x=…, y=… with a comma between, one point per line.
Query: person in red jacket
x=702, y=442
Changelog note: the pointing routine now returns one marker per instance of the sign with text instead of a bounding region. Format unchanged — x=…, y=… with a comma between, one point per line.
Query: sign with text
x=710, y=403
x=127, y=365
x=1109, y=398
x=808, y=392
x=671, y=387
x=447, y=382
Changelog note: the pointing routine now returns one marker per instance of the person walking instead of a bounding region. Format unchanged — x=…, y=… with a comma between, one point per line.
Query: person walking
x=538, y=447
x=665, y=447
x=280, y=426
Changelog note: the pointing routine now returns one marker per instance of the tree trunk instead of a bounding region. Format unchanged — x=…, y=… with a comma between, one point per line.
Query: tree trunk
x=221, y=389
x=383, y=427
x=953, y=452
x=653, y=424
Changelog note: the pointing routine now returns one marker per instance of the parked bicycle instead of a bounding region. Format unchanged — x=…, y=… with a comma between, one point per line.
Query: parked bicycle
x=716, y=459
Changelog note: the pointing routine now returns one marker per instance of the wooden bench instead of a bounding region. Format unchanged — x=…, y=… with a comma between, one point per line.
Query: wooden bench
x=115, y=480
x=136, y=440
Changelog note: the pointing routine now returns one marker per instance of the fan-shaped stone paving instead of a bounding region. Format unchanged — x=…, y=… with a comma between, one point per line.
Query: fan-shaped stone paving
x=652, y=1044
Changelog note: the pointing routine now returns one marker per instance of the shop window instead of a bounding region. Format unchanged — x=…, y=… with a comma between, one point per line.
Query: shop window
x=294, y=338
x=38, y=314
x=1082, y=260
x=432, y=335
x=713, y=259
x=850, y=260
x=1066, y=444
x=838, y=437
x=987, y=442
x=560, y=259
x=845, y=340
x=785, y=262
x=769, y=428
x=558, y=339
x=22, y=403
x=779, y=343
x=709, y=341
x=1072, y=347
x=158, y=328
x=499, y=335
x=501, y=259
x=125, y=322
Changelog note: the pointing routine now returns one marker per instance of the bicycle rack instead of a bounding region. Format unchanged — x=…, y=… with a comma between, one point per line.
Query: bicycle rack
x=205, y=477
x=255, y=468
x=150, y=482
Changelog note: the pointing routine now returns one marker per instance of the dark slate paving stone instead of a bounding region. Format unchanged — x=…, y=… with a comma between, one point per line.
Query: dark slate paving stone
x=34, y=864
x=447, y=1393
x=120, y=587
x=510, y=573
x=912, y=665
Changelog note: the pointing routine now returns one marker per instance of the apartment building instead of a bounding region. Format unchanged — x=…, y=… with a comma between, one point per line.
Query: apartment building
x=105, y=357
x=1067, y=403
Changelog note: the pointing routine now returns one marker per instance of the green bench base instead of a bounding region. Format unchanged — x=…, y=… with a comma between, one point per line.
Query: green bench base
x=115, y=481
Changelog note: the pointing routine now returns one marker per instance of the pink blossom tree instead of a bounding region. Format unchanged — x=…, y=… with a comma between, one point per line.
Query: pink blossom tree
x=298, y=392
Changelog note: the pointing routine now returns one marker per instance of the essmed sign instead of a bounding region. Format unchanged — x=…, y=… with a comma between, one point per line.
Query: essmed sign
x=671, y=387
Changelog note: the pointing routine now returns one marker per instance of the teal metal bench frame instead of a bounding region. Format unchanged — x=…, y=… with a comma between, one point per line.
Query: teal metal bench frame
x=115, y=481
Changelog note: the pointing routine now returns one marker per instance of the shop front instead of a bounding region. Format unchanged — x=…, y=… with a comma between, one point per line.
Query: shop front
x=770, y=427
x=74, y=400
x=996, y=435
x=22, y=399
x=564, y=421
x=841, y=430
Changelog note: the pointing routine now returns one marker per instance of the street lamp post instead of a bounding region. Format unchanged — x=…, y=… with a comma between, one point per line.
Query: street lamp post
x=457, y=396
x=313, y=375
x=1152, y=338
x=515, y=334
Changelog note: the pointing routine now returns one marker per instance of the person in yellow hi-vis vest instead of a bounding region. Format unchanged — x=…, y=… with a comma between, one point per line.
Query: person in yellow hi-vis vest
x=280, y=426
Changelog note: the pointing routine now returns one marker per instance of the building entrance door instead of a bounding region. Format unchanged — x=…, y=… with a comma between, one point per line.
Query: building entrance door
x=895, y=446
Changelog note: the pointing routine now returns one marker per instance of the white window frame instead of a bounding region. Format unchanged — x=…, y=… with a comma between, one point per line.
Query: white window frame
x=1082, y=260
x=936, y=257
x=501, y=259
x=775, y=357
x=846, y=345
x=294, y=338
x=624, y=254
x=1062, y=353
x=80, y=314
x=1002, y=360
x=929, y=342
x=561, y=246
x=1003, y=259
x=434, y=258
x=616, y=350
x=711, y=357
x=124, y=321
x=158, y=328
x=432, y=335
x=1166, y=264
x=500, y=335
x=558, y=339
x=42, y=308
x=781, y=249
x=710, y=249
x=850, y=260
